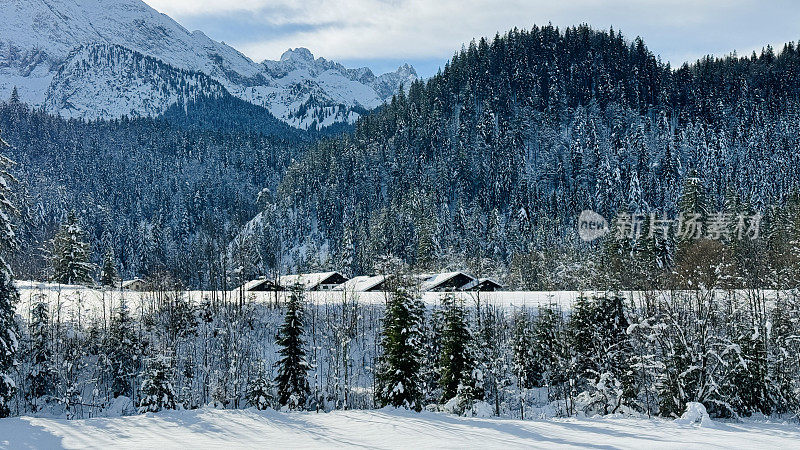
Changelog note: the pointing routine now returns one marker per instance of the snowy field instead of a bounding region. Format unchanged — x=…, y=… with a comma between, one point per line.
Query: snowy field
x=73, y=301
x=208, y=428
x=76, y=302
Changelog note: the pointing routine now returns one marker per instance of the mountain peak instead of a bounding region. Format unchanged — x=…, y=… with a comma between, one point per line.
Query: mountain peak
x=406, y=70
x=298, y=54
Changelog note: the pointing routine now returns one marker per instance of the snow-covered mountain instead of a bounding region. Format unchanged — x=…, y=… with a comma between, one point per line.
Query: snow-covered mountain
x=45, y=49
x=105, y=81
x=307, y=92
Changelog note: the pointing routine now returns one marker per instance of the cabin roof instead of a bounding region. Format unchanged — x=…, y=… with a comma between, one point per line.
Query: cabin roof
x=253, y=284
x=432, y=281
x=361, y=283
x=127, y=283
x=306, y=280
x=477, y=282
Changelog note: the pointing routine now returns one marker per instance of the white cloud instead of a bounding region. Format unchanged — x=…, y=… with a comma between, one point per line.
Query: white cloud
x=364, y=29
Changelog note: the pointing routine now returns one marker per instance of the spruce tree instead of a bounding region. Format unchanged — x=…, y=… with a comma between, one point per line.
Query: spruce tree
x=108, y=276
x=693, y=198
x=603, y=354
x=615, y=354
x=522, y=348
x=546, y=347
x=456, y=359
x=157, y=390
x=784, y=356
x=70, y=256
x=398, y=376
x=522, y=358
x=259, y=391
x=292, y=378
x=8, y=292
x=123, y=352
x=42, y=376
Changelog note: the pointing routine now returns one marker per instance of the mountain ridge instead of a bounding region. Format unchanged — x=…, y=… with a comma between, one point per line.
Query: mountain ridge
x=38, y=36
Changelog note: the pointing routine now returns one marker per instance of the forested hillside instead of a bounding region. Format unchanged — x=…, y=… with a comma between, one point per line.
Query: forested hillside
x=484, y=167
x=487, y=165
x=161, y=198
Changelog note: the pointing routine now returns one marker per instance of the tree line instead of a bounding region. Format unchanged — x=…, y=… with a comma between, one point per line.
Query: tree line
x=609, y=353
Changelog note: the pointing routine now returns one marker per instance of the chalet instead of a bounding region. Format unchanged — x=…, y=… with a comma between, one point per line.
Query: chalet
x=444, y=282
x=321, y=281
x=136, y=284
x=363, y=284
x=482, y=285
x=262, y=285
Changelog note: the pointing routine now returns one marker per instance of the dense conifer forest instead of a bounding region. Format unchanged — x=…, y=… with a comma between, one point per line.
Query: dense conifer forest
x=488, y=164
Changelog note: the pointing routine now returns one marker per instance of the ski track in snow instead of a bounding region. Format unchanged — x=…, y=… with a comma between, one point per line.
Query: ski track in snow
x=209, y=428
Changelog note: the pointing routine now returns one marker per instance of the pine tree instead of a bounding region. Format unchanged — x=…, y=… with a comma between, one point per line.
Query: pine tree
x=693, y=198
x=70, y=256
x=398, y=376
x=456, y=359
x=8, y=293
x=546, y=348
x=522, y=348
x=522, y=358
x=157, y=390
x=42, y=375
x=123, y=351
x=108, y=276
x=603, y=353
x=615, y=354
x=259, y=391
x=292, y=378
x=784, y=357
x=14, y=96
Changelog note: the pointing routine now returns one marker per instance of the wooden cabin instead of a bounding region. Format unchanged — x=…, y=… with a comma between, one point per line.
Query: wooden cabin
x=482, y=285
x=320, y=281
x=136, y=284
x=445, y=281
x=262, y=285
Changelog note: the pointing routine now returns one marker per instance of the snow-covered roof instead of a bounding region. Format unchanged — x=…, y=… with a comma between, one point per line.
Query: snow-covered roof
x=477, y=282
x=307, y=281
x=432, y=281
x=254, y=283
x=361, y=283
x=132, y=282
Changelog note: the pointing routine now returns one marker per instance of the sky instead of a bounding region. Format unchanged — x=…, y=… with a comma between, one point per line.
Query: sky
x=383, y=34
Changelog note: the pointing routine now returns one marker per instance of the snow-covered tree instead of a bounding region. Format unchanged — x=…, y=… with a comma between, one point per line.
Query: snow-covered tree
x=599, y=329
x=398, y=376
x=70, y=256
x=14, y=96
x=42, y=377
x=259, y=391
x=158, y=392
x=9, y=343
x=123, y=352
x=292, y=377
x=108, y=275
x=456, y=361
x=522, y=359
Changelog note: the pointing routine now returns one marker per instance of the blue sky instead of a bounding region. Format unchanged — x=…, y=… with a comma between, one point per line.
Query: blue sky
x=382, y=34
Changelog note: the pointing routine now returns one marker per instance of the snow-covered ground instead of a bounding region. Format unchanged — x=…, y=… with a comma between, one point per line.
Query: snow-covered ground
x=73, y=301
x=206, y=428
x=69, y=302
